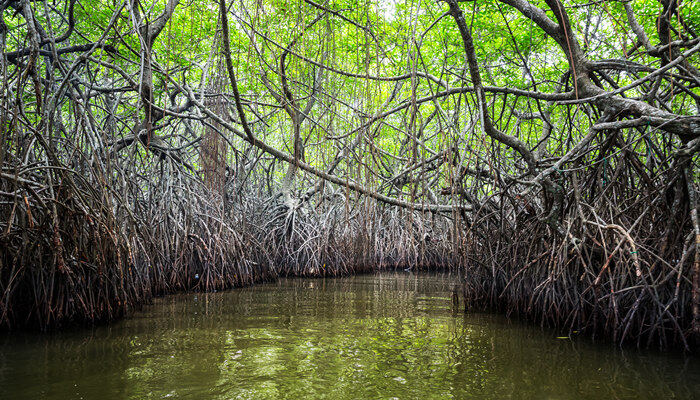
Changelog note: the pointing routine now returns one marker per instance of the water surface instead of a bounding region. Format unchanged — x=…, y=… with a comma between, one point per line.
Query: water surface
x=386, y=336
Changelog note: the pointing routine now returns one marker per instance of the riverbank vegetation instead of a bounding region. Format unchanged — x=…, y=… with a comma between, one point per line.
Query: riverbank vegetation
x=547, y=151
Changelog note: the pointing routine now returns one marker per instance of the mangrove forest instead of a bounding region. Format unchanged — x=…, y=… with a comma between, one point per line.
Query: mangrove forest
x=477, y=199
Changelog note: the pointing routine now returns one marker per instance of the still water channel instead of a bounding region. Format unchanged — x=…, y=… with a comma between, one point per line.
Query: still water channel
x=385, y=336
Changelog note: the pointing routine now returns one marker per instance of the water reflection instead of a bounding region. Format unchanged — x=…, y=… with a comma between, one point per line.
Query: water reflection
x=380, y=337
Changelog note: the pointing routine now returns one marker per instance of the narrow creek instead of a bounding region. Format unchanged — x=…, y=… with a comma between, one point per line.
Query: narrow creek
x=383, y=336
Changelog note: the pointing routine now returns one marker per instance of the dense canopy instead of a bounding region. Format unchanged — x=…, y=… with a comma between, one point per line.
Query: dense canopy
x=545, y=150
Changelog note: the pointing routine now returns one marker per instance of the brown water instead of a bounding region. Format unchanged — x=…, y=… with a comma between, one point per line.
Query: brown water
x=387, y=336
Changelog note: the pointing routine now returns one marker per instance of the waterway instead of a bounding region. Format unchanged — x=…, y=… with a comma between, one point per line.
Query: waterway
x=383, y=336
